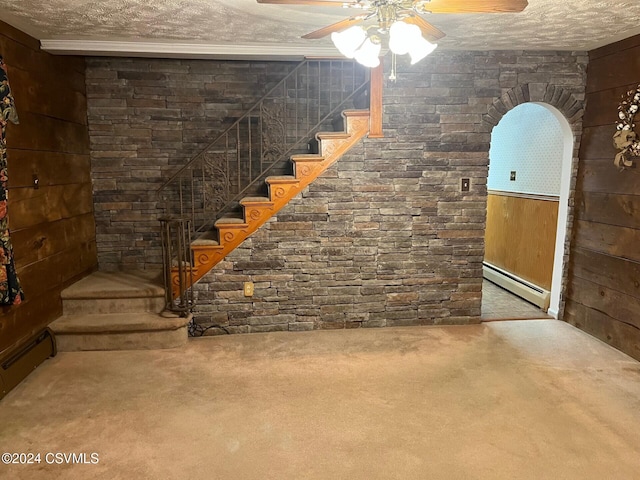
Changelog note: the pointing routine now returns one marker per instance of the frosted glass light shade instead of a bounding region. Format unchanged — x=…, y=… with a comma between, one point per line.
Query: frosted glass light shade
x=349, y=40
x=420, y=49
x=402, y=36
x=368, y=54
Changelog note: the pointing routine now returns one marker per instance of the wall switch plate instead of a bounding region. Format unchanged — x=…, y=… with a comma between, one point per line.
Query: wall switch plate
x=465, y=184
x=248, y=289
x=513, y=176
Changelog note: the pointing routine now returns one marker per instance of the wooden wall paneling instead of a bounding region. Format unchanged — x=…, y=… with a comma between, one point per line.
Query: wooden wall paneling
x=55, y=267
x=53, y=97
x=619, y=306
x=35, y=313
x=602, y=176
x=39, y=132
x=45, y=240
x=31, y=207
x=53, y=168
x=620, y=335
x=520, y=236
x=612, y=272
x=603, y=294
x=609, y=208
x=12, y=35
x=619, y=68
x=602, y=109
x=597, y=142
x=53, y=228
x=627, y=44
x=610, y=239
x=31, y=316
x=42, y=65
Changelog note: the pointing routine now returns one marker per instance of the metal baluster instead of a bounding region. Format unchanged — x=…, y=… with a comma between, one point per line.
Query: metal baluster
x=261, y=121
x=238, y=156
x=250, y=149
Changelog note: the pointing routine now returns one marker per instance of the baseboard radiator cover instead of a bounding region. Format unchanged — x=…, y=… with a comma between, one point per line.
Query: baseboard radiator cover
x=516, y=285
x=18, y=362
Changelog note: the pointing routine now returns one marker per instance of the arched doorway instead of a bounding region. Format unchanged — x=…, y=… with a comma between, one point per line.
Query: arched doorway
x=567, y=114
x=527, y=205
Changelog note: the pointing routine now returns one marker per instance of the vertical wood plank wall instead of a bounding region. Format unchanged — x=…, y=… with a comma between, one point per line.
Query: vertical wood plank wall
x=52, y=228
x=520, y=236
x=603, y=294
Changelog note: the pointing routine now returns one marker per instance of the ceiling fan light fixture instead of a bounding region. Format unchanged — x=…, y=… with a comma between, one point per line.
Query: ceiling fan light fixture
x=369, y=54
x=349, y=41
x=420, y=49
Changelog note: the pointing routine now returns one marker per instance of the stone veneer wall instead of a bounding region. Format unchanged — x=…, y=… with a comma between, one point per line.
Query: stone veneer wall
x=385, y=237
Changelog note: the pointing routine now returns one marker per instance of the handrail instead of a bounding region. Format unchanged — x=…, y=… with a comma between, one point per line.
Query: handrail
x=262, y=140
x=234, y=125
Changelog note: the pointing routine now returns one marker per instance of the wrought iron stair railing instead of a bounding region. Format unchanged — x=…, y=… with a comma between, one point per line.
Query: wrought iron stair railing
x=259, y=143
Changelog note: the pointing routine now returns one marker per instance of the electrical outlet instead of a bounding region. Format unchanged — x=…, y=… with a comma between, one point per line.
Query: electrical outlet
x=465, y=185
x=248, y=289
x=513, y=176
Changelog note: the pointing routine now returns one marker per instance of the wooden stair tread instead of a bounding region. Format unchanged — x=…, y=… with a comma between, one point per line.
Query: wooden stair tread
x=333, y=135
x=282, y=179
x=356, y=113
x=208, y=238
x=205, y=242
x=307, y=157
x=235, y=221
x=255, y=200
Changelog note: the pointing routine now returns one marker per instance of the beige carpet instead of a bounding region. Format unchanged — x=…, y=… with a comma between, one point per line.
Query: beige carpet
x=509, y=400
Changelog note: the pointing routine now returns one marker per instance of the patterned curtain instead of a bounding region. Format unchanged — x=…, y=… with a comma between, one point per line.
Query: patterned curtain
x=10, y=290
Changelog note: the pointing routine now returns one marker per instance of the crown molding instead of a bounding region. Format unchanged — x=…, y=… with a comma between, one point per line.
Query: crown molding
x=186, y=50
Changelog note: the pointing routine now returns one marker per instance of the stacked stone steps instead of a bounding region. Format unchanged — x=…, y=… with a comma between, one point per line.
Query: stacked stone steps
x=118, y=311
x=229, y=232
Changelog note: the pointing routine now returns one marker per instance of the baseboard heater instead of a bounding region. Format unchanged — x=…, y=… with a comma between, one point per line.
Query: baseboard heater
x=18, y=362
x=516, y=285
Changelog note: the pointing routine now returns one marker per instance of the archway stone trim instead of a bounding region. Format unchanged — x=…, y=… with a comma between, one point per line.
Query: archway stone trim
x=556, y=96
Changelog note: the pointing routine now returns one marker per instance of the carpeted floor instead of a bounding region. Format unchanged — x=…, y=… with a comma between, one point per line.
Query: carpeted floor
x=507, y=400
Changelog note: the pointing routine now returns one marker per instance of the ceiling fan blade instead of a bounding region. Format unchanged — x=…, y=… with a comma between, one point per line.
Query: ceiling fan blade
x=472, y=6
x=430, y=32
x=317, y=3
x=336, y=27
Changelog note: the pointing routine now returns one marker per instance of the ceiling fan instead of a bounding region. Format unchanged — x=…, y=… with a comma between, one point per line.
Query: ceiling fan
x=402, y=20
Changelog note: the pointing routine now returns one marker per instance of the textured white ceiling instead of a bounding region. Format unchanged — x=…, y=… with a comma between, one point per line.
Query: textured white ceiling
x=544, y=25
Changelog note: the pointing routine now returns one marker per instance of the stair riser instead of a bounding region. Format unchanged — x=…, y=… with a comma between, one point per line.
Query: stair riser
x=122, y=341
x=112, y=305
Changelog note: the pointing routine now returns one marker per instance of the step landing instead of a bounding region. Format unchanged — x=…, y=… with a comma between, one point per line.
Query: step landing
x=118, y=311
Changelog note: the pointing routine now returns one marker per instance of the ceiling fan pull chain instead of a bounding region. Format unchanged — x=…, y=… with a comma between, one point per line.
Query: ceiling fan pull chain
x=392, y=75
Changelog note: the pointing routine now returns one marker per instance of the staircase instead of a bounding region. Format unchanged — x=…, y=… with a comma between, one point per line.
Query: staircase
x=230, y=231
x=219, y=198
x=249, y=173
x=118, y=311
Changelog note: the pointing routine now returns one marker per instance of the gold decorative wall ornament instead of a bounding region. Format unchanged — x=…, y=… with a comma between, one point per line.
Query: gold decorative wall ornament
x=626, y=139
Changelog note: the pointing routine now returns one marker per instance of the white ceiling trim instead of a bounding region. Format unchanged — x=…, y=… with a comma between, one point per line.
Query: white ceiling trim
x=186, y=50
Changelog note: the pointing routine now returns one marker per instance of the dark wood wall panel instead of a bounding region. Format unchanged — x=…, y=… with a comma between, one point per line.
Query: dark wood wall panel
x=609, y=208
x=603, y=294
x=614, y=332
x=599, y=176
x=53, y=227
